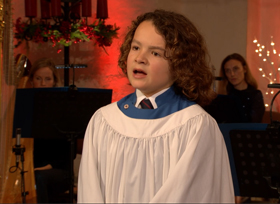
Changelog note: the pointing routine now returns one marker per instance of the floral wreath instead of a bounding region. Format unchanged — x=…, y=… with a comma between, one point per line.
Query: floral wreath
x=66, y=33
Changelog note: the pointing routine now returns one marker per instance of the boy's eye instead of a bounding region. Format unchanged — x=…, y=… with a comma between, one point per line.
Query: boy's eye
x=156, y=53
x=134, y=47
x=37, y=78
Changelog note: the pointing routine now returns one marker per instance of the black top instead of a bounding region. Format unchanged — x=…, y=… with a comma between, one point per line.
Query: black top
x=252, y=104
x=55, y=152
x=243, y=106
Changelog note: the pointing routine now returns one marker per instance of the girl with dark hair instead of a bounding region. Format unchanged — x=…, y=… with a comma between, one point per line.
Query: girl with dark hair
x=239, y=83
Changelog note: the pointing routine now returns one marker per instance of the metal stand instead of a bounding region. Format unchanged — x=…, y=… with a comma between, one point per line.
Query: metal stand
x=71, y=137
x=19, y=151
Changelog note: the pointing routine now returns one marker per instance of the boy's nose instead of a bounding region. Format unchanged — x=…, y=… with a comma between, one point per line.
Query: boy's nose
x=141, y=58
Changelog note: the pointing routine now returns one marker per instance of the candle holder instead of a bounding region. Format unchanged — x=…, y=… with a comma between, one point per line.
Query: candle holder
x=63, y=23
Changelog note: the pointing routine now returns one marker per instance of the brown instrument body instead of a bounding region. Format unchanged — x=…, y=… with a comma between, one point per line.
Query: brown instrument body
x=12, y=185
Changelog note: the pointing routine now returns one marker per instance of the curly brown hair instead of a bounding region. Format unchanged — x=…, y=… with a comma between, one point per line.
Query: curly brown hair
x=224, y=86
x=187, y=54
x=44, y=62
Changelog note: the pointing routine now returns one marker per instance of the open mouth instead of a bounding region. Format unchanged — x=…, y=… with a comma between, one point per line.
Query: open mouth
x=138, y=71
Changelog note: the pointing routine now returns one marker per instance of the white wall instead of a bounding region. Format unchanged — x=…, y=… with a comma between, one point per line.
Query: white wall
x=223, y=24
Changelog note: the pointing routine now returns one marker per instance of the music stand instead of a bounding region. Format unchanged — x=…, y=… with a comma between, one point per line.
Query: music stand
x=60, y=113
x=257, y=162
x=225, y=129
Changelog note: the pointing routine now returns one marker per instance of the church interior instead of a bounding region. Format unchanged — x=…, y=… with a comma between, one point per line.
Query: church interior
x=86, y=53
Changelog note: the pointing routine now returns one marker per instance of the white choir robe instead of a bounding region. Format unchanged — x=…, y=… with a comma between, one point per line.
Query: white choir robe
x=178, y=158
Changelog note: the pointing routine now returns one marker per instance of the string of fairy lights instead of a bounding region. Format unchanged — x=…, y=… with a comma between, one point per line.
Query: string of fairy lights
x=269, y=66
